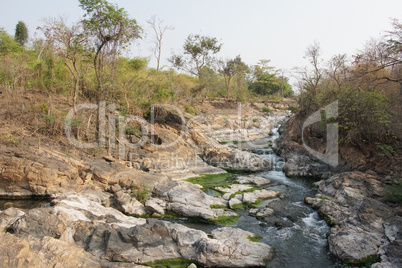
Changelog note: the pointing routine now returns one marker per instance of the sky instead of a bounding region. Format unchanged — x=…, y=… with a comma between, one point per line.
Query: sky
x=277, y=30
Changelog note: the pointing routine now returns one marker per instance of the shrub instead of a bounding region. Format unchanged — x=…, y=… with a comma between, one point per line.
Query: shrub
x=266, y=110
x=189, y=108
x=141, y=192
x=363, y=116
x=134, y=130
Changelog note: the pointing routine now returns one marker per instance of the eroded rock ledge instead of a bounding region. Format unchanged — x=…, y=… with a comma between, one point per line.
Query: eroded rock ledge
x=79, y=225
x=363, y=227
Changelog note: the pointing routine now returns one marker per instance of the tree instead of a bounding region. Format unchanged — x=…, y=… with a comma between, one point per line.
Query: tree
x=309, y=79
x=21, y=33
x=159, y=31
x=8, y=44
x=69, y=44
x=198, y=51
x=264, y=80
x=229, y=69
x=111, y=29
x=383, y=55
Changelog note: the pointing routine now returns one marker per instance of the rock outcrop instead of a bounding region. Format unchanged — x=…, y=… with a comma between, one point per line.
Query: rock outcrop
x=78, y=226
x=235, y=159
x=361, y=223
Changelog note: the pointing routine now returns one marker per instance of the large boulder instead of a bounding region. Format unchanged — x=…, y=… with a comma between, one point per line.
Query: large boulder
x=187, y=199
x=129, y=205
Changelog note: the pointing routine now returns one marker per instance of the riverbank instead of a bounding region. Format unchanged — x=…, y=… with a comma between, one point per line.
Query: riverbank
x=357, y=198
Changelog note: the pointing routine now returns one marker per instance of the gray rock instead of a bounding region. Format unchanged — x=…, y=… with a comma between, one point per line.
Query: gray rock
x=129, y=205
x=235, y=201
x=235, y=159
x=252, y=197
x=353, y=245
x=257, y=180
x=364, y=225
x=187, y=199
x=153, y=205
x=231, y=248
x=265, y=212
x=9, y=216
x=253, y=211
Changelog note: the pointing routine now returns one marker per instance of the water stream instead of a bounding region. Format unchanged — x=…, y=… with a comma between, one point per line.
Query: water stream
x=296, y=231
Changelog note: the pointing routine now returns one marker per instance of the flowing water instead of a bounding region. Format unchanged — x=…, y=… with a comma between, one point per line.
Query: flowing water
x=296, y=231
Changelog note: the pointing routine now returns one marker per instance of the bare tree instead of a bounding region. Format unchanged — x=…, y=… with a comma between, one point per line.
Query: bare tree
x=15, y=68
x=68, y=42
x=159, y=30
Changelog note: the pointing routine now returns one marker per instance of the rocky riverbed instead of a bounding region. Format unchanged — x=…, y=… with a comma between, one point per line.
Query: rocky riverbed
x=116, y=213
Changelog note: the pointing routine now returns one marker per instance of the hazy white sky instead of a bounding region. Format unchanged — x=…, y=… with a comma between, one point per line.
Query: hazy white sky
x=255, y=29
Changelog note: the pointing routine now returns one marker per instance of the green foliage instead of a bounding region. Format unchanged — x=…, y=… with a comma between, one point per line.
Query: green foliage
x=386, y=148
x=134, y=130
x=76, y=122
x=266, y=110
x=44, y=108
x=163, y=94
x=254, y=238
x=210, y=181
x=171, y=263
x=393, y=193
x=146, y=108
x=218, y=206
x=138, y=63
x=49, y=119
x=328, y=219
x=109, y=23
x=7, y=44
x=266, y=81
x=112, y=29
x=359, y=111
x=141, y=192
x=246, y=205
x=189, y=108
x=225, y=220
x=364, y=262
x=10, y=138
x=252, y=189
x=21, y=33
x=197, y=54
x=239, y=206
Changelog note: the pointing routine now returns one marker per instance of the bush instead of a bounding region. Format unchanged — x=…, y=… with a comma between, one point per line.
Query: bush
x=141, y=192
x=134, y=130
x=363, y=117
x=266, y=110
x=189, y=108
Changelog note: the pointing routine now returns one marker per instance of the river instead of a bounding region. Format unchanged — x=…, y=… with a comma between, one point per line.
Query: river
x=296, y=231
